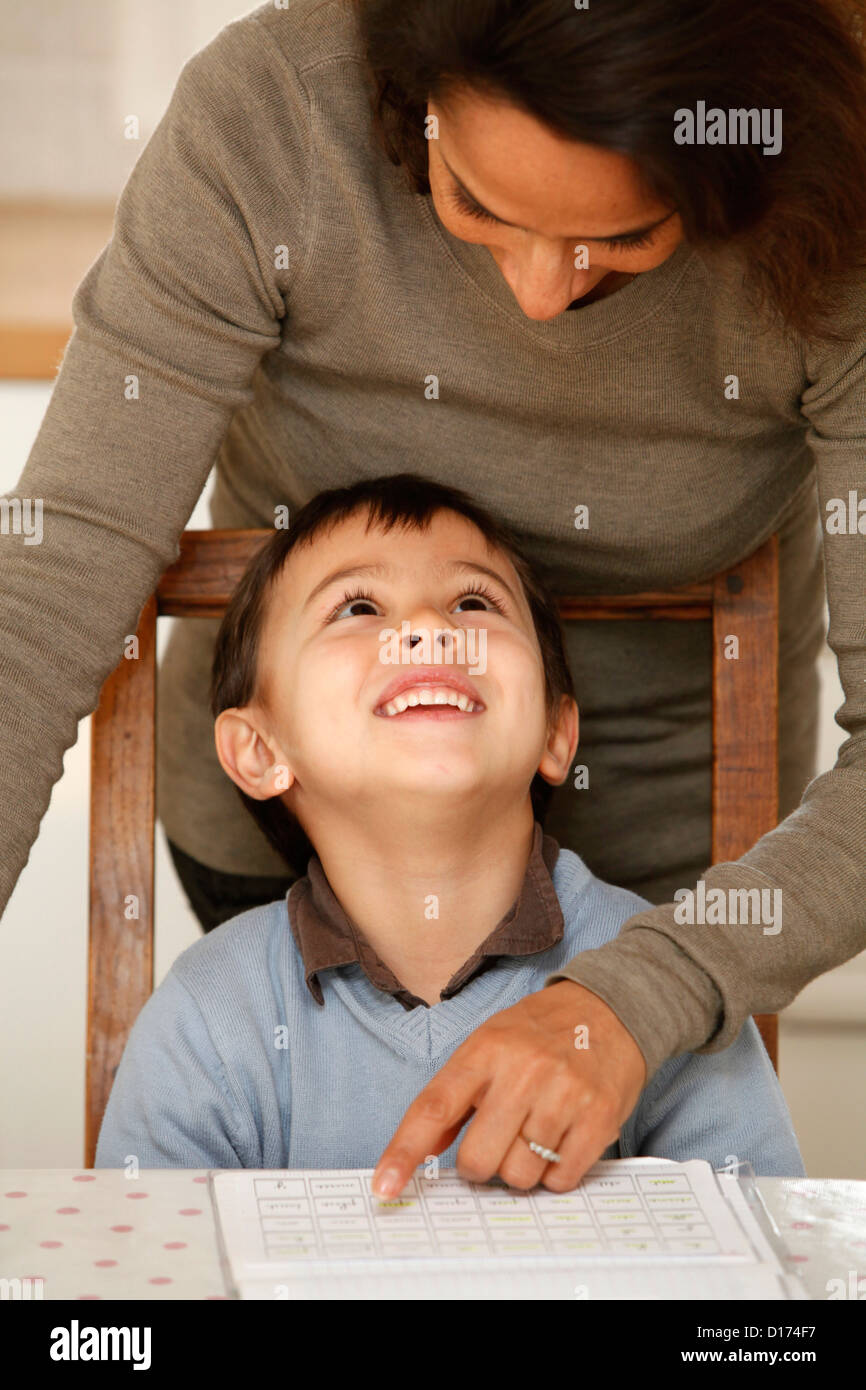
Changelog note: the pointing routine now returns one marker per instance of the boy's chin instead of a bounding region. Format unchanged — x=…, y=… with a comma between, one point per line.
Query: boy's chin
x=436, y=792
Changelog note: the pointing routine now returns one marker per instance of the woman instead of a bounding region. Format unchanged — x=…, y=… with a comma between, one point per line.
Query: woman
x=546, y=254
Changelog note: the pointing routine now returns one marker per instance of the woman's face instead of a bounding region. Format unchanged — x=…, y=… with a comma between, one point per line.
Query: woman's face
x=534, y=199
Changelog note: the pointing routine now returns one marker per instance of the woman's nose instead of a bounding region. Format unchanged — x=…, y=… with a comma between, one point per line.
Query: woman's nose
x=544, y=283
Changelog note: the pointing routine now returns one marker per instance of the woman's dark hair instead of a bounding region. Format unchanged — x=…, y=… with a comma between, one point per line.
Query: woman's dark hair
x=406, y=500
x=613, y=75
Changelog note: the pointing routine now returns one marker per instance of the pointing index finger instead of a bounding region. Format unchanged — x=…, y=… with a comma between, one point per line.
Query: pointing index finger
x=431, y=1123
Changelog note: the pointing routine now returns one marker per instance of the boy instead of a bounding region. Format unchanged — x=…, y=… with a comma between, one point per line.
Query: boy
x=391, y=692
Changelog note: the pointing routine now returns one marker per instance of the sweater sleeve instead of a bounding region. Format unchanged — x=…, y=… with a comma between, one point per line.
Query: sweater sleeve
x=171, y=322
x=681, y=988
x=172, y=1104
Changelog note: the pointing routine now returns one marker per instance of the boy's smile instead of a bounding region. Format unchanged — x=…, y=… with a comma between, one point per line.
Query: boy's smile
x=432, y=693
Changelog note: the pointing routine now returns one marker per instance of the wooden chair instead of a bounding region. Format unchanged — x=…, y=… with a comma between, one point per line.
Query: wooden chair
x=742, y=601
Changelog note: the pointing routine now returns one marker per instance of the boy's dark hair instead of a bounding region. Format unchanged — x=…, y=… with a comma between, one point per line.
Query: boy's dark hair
x=403, y=499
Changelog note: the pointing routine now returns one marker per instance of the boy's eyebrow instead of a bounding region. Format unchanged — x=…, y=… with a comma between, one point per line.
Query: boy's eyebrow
x=455, y=566
x=632, y=234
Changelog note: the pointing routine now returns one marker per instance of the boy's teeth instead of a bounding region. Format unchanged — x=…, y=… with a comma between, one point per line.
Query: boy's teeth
x=423, y=696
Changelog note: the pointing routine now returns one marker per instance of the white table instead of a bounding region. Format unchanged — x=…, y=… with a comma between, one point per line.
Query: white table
x=94, y=1234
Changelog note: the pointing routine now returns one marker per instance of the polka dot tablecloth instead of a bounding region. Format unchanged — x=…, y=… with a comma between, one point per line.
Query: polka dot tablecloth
x=822, y=1222
x=98, y=1234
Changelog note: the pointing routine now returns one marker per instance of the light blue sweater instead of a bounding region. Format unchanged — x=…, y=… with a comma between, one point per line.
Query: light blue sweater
x=232, y=1063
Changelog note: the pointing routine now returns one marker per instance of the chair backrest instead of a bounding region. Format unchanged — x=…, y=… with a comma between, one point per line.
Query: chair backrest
x=742, y=601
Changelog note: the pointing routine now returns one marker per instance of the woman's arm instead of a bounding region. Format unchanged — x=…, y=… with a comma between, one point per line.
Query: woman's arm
x=684, y=988
x=171, y=321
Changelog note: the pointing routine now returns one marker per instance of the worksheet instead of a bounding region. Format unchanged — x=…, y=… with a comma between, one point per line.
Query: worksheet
x=632, y=1228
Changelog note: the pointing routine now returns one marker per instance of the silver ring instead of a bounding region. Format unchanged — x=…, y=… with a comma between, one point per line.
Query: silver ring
x=549, y=1155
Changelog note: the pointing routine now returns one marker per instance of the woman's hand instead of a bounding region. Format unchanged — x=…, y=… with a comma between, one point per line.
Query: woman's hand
x=558, y=1068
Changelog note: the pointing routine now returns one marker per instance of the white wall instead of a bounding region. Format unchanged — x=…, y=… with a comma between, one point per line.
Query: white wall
x=71, y=71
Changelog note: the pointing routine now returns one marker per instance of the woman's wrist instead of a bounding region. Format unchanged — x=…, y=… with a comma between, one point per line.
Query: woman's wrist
x=666, y=1001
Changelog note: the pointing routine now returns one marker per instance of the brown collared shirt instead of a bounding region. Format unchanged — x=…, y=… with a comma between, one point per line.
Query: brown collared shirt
x=326, y=937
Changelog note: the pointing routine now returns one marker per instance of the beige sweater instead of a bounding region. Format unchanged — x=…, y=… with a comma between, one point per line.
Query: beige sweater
x=307, y=368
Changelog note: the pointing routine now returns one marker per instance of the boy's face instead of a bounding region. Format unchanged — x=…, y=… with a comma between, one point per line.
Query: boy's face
x=324, y=713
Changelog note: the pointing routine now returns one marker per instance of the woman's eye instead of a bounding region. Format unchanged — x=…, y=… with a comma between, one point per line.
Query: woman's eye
x=636, y=243
x=462, y=204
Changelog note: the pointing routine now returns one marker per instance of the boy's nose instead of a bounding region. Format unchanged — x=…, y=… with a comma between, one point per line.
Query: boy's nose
x=440, y=643
x=428, y=620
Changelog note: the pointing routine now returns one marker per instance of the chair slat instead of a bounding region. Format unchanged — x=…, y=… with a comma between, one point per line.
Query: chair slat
x=745, y=717
x=122, y=809
x=202, y=580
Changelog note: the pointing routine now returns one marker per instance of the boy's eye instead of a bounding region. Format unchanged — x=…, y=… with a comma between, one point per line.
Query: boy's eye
x=354, y=607
x=474, y=599
x=481, y=598
x=353, y=602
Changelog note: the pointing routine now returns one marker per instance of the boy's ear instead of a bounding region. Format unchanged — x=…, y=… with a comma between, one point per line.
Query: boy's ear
x=561, y=742
x=252, y=759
